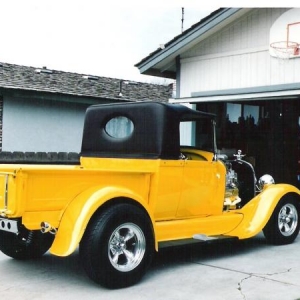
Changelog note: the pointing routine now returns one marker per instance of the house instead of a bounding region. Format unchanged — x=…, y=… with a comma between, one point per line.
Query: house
x=242, y=64
x=43, y=109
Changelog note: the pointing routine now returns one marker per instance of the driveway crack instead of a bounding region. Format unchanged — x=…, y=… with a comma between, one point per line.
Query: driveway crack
x=249, y=275
x=240, y=286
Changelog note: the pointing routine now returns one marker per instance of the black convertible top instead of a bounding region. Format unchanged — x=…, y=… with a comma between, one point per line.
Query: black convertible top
x=155, y=131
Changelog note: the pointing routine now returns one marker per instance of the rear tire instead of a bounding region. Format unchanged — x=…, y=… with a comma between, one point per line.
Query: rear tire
x=117, y=246
x=283, y=226
x=27, y=244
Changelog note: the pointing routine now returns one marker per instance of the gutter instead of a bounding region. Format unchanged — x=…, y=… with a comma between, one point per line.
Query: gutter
x=281, y=91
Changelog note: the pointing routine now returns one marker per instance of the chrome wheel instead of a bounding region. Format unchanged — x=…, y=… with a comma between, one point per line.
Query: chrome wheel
x=287, y=219
x=283, y=226
x=126, y=247
x=117, y=246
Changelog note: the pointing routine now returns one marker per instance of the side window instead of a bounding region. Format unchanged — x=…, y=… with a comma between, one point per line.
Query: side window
x=198, y=134
x=119, y=127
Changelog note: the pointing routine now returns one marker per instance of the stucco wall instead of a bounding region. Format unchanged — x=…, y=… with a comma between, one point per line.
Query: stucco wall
x=42, y=125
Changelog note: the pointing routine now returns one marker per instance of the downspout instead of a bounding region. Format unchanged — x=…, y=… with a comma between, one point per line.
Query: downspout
x=178, y=76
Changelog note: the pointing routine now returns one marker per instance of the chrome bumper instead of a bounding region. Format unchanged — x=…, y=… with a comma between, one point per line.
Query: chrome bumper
x=9, y=225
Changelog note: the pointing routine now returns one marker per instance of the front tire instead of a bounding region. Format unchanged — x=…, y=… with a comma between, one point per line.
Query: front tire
x=117, y=246
x=283, y=226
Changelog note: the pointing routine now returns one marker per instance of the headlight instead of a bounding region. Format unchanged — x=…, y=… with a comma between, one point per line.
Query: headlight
x=265, y=180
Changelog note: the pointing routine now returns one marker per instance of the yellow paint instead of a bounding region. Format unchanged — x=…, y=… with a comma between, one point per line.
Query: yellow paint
x=79, y=212
x=186, y=228
x=202, y=189
x=181, y=197
x=258, y=211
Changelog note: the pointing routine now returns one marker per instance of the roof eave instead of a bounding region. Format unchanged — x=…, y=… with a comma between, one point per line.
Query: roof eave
x=51, y=95
x=156, y=63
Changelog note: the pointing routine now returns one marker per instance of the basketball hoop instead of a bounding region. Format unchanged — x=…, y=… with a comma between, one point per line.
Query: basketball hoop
x=285, y=49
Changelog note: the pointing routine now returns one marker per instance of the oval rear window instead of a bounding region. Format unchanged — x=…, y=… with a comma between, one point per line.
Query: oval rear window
x=119, y=127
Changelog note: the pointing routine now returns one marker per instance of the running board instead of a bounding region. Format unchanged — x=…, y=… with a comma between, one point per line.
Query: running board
x=207, y=238
x=197, y=238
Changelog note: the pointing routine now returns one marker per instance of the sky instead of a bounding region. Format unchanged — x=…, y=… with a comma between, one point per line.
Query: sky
x=94, y=37
x=104, y=38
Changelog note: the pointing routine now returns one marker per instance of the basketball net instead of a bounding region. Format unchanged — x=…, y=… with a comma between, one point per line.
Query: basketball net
x=285, y=50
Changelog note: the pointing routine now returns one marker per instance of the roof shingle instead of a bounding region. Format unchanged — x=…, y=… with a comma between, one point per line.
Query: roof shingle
x=52, y=81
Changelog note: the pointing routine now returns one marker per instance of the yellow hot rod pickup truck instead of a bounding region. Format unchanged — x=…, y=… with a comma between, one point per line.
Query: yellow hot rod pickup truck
x=135, y=190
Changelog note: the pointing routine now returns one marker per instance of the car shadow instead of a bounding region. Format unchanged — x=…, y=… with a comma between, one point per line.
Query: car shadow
x=48, y=267
x=68, y=270
x=206, y=251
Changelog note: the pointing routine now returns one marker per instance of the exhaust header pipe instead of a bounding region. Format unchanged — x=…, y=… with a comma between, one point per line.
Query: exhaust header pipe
x=46, y=227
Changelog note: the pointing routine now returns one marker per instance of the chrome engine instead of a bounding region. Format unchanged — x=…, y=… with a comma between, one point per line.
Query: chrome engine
x=231, y=189
x=241, y=182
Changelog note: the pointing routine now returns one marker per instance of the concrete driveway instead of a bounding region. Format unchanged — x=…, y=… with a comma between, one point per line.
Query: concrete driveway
x=248, y=269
